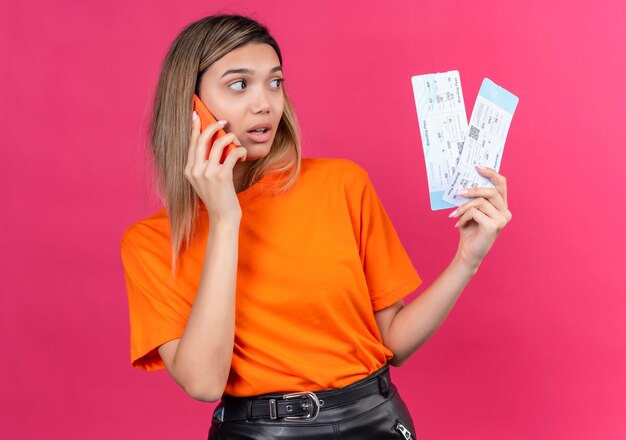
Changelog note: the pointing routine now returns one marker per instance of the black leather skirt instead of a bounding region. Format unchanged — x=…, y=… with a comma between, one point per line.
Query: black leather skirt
x=378, y=416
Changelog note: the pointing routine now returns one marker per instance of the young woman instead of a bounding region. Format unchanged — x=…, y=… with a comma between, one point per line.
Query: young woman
x=286, y=302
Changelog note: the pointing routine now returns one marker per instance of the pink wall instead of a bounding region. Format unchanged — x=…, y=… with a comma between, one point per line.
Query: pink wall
x=535, y=347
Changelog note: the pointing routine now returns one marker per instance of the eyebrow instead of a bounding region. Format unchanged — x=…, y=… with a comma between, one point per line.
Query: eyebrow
x=248, y=71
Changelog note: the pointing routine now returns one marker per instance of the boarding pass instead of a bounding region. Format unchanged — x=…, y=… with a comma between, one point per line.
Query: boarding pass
x=484, y=141
x=443, y=124
x=481, y=142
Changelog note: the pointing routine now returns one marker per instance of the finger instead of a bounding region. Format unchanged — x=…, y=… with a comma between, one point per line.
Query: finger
x=195, y=132
x=492, y=194
x=497, y=179
x=480, y=217
x=234, y=156
x=235, y=140
x=202, y=143
x=217, y=150
x=483, y=205
x=501, y=217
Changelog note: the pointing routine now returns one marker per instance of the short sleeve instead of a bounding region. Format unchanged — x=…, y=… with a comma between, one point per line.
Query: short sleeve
x=157, y=313
x=388, y=269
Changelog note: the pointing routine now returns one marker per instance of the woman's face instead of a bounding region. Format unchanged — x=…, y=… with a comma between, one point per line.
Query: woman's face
x=246, y=98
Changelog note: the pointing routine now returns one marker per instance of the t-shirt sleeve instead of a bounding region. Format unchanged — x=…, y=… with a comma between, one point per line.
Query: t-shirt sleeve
x=157, y=313
x=388, y=269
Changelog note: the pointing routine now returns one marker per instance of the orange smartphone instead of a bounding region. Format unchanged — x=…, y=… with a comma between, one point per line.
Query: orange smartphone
x=206, y=119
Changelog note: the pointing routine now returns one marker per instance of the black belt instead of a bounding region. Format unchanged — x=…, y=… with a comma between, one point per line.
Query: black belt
x=301, y=405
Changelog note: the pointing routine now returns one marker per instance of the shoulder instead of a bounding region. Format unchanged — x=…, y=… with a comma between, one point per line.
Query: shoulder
x=149, y=234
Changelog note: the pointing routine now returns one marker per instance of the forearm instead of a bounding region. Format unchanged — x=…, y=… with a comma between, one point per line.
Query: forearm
x=204, y=354
x=418, y=320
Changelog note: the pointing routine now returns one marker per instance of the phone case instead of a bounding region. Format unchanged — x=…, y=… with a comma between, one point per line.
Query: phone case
x=206, y=119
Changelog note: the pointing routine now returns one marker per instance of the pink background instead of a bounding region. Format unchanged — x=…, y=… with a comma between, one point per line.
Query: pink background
x=535, y=347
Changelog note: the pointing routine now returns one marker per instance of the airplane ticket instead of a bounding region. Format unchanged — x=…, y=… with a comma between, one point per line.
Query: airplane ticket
x=443, y=125
x=484, y=140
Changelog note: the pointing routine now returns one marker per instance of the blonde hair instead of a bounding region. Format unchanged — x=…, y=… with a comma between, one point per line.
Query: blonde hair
x=194, y=50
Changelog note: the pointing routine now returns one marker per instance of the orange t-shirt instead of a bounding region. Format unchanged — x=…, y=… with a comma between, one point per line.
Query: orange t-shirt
x=314, y=264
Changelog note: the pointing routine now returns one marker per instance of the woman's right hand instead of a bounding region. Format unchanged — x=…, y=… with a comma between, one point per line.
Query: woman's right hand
x=212, y=181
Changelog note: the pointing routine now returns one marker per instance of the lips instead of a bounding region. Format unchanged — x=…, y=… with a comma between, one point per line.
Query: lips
x=266, y=126
x=260, y=136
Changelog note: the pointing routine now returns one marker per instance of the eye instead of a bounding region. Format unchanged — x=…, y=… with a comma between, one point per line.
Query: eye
x=280, y=81
x=237, y=82
x=243, y=82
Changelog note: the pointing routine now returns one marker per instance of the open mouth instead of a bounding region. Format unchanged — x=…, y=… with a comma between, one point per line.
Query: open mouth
x=260, y=135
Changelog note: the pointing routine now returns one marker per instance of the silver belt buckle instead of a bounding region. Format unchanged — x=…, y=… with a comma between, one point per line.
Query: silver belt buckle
x=312, y=415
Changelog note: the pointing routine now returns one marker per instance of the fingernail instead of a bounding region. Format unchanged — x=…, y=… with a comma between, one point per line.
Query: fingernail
x=457, y=224
x=462, y=191
x=453, y=213
x=482, y=167
x=194, y=116
x=222, y=122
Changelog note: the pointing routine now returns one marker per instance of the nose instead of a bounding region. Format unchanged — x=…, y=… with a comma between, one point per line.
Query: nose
x=260, y=101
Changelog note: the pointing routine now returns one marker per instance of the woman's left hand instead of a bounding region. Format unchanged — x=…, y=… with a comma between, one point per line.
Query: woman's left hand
x=481, y=219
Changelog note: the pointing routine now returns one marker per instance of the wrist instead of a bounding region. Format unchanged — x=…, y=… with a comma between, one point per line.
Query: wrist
x=469, y=268
x=223, y=225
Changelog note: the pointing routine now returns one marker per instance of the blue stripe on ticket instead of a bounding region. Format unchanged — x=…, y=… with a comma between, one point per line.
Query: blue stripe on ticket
x=499, y=96
x=437, y=202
